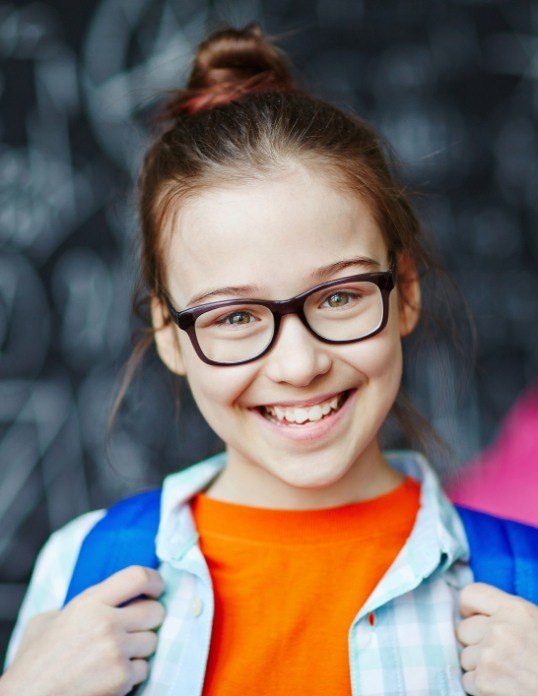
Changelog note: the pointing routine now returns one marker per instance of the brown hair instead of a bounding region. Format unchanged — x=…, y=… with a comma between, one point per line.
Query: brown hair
x=241, y=116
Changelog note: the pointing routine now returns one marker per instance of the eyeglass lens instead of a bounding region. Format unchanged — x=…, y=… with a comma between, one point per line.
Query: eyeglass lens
x=241, y=332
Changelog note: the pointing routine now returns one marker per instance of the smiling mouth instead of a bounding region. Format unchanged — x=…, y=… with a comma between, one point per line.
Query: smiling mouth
x=297, y=417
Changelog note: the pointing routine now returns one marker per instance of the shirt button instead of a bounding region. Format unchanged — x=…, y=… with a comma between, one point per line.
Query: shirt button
x=197, y=606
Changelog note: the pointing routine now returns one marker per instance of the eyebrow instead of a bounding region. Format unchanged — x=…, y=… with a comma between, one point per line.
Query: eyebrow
x=233, y=290
x=318, y=276
x=325, y=272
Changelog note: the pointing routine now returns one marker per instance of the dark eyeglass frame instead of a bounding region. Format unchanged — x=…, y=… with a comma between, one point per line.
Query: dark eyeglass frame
x=186, y=319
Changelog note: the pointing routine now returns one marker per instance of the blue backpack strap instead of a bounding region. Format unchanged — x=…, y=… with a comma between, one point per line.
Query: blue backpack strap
x=124, y=536
x=504, y=553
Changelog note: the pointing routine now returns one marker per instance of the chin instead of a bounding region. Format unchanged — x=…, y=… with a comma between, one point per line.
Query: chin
x=308, y=476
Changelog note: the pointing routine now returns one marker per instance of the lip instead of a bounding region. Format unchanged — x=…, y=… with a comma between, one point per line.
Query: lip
x=308, y=432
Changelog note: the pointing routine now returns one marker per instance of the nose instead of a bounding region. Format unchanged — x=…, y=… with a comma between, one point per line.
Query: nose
x=297, y=357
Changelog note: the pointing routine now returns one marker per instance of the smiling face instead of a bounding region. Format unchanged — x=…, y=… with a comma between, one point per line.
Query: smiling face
x=300, y=424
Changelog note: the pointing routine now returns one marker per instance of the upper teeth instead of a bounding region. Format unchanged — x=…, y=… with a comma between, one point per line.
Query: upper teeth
x=301, y=415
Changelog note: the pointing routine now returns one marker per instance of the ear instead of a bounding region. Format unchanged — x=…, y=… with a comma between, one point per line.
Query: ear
x=166, y=338
x=408, y=295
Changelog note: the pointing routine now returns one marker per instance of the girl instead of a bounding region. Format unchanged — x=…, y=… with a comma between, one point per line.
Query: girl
x=281, y=260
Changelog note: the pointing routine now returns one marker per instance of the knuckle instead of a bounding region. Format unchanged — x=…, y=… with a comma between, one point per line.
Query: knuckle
x=120, y=676
x=496, y=632
x=487, y=661
x=138, y=575
x=519, y=609
x=488, y=671
x=152, y=613
x=116, y=660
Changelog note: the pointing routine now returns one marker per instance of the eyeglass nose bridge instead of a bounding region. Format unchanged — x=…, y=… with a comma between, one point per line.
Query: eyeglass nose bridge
x=282, y=308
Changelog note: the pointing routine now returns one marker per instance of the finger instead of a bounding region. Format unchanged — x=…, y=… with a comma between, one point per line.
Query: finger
x=472, y=630
x=142, y=615
x=141, y=644
x=139, y=671
x=469, y=685
x=126, y=585
x=469, y=657
x=479, y=598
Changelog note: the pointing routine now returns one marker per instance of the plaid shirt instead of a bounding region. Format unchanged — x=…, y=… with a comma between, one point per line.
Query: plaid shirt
x=411, y=650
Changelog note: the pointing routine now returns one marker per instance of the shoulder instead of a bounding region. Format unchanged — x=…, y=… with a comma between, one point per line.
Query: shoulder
x=509, y=559
x=52, y=573
x=56, y=560
x=479, y=521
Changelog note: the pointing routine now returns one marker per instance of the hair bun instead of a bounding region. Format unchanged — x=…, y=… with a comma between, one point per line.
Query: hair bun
x=229, y=64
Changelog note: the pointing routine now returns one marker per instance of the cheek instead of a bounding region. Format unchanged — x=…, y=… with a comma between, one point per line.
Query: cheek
x=388, y=375
x=215, y=388
x=379, y=360
x=208, y=383
x=386, y=363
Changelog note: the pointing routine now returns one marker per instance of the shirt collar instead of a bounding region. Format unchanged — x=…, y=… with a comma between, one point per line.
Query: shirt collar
x=437, y=521
x=436, y=542
x=177, y=535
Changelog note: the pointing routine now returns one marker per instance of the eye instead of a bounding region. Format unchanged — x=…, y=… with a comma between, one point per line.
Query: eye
x=238, y=318
x=338, y=299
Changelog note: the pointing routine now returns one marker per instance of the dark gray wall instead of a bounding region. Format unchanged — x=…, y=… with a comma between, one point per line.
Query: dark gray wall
x=451, y=84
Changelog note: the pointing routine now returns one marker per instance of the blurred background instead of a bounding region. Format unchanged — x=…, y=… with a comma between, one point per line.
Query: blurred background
x=451, y=84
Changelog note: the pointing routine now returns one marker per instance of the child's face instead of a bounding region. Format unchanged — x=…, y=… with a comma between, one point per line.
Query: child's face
x=273, y=239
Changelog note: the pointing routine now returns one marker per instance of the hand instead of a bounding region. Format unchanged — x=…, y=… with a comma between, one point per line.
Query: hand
x=500, y=637
x=93, y=646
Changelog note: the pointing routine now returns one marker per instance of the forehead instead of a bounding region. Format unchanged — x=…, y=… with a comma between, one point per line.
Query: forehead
x=271, y=234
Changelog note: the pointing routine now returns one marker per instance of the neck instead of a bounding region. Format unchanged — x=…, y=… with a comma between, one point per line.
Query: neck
x=245, y=483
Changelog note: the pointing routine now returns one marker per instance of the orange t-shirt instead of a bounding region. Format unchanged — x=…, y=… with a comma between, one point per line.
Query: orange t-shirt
x=288, y=584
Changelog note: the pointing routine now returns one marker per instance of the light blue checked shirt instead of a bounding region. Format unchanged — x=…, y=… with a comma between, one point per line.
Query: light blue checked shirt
x=410, y=651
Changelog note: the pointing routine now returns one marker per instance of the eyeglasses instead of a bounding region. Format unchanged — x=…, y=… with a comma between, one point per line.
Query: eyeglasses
x=233, y=332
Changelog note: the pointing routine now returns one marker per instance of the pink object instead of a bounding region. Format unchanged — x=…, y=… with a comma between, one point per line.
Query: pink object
x=503, y=480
